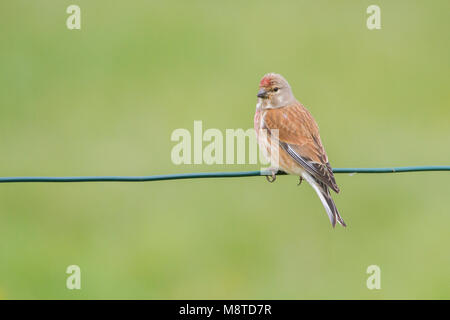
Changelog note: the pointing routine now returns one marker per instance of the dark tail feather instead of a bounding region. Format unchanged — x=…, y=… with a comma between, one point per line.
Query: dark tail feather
x=327, y=201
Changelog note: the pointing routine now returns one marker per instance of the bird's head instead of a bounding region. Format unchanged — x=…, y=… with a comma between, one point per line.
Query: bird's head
x=274, y=91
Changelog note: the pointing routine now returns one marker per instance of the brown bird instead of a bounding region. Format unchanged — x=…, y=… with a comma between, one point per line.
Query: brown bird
x=281, y=121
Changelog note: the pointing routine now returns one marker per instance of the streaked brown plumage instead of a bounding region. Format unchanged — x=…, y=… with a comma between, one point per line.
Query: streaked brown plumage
x=300, y=148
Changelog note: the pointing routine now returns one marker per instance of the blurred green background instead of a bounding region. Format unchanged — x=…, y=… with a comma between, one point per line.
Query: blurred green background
x=105, y=99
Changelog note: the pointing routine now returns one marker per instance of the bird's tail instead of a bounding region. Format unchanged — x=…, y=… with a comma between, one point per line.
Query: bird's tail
x=324, y=194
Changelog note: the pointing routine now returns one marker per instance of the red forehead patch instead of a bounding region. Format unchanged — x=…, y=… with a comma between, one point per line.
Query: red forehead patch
x=265, y=82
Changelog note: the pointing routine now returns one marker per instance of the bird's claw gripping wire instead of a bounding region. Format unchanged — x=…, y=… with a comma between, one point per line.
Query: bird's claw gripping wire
x=300, y=181
x=271, y=178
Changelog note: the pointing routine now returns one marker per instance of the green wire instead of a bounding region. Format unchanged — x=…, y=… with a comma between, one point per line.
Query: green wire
x=210, y=175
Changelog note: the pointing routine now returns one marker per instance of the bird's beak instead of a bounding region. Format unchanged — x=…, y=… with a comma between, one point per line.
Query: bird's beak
x=262, y=93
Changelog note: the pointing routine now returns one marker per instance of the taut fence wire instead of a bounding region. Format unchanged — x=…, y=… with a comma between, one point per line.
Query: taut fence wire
x=210, y=175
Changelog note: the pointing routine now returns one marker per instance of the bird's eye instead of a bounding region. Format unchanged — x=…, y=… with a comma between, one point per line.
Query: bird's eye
x=276, y=89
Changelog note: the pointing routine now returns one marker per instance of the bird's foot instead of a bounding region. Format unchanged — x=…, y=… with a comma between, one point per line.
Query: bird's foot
x=300, y=181
x=273, y=175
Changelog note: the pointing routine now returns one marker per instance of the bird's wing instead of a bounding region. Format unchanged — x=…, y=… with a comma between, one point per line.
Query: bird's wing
x=298, y=135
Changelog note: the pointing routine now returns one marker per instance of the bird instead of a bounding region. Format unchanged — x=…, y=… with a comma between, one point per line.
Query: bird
x=281, y=121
